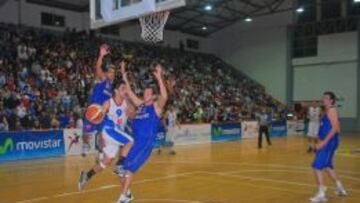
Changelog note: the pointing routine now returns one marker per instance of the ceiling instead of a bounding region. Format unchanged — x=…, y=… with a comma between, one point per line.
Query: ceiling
x=194, y=18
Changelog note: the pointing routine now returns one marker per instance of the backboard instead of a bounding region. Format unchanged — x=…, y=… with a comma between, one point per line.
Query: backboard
x=109, y=12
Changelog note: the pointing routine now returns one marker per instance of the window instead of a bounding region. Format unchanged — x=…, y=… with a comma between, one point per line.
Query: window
x=353, y=8
x=309, y=14
x=330, y=9
x=305, y=41
x=115, y=4
x=52, y=20
x=192, y=44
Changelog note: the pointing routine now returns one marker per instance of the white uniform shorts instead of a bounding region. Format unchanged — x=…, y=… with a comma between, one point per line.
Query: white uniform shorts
x=113, y=139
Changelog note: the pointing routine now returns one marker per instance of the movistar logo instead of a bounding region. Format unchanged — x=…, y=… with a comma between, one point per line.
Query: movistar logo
x=8, y=145
x=218, y=131
x=232, y=131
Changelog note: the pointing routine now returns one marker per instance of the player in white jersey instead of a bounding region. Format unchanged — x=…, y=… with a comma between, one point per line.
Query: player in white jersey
x=113, y=132
x=314, y=124
x=170, y=124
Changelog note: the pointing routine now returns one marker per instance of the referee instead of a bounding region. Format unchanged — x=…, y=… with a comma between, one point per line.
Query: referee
x=264, y=122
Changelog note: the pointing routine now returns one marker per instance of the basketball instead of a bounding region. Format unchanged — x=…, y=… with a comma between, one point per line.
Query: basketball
x=94, y=114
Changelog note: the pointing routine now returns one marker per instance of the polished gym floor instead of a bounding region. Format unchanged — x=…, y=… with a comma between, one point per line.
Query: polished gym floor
x=230, y=172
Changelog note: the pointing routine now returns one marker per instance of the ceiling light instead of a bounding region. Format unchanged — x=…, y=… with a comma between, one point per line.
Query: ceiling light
x=208, y=7
x=300, y=10
x=248, y=19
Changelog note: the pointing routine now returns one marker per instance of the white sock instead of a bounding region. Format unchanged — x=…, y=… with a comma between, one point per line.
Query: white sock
x=122, y=197
x=322, y=189
x=128, y=192
x=338, y=184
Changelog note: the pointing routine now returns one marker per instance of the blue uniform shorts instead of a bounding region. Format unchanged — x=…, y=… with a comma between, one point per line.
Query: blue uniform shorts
x=139, y=154
x=324, y=157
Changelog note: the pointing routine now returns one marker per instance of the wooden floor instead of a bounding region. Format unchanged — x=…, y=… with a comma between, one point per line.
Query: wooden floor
x=211, y=173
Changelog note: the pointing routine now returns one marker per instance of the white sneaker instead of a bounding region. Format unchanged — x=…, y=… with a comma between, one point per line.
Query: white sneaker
x=340, y=191
x=123, y=199
x=130, y=196
x=126, y=198
x=319, y=197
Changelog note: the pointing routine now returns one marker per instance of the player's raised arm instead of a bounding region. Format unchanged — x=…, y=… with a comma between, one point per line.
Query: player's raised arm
x=136, y=100
x=160, y=103
x=104, y=50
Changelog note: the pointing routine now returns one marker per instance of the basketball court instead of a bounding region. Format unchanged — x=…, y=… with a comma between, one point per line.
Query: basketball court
x=212, y=172
x=230, y=172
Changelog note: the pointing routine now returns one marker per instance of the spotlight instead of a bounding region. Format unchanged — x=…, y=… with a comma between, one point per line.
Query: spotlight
x=248, y=19
x=208, y=8
x=301, y=9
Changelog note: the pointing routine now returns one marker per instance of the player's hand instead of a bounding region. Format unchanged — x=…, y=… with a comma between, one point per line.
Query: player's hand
x=320, y=144
x=123, y=67
x=158, y=71
x=123, y=70
x=104, y=50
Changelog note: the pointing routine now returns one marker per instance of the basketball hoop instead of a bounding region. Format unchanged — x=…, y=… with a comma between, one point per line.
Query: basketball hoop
x=152, y=26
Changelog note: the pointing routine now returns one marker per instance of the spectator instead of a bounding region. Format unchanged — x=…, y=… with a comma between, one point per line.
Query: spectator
x=46, y=78
x=4, y=126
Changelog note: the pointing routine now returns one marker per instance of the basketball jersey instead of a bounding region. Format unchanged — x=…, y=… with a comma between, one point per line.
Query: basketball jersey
x=314, y=114
x=101, y=92
x=325, y=128
x=171, y=119
x=146, y=123
x=116, y=116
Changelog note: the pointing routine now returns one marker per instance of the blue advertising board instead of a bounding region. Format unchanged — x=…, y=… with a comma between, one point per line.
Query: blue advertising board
x=225, y=132
x=160, y=137
x=278, y=129
x=29, y=145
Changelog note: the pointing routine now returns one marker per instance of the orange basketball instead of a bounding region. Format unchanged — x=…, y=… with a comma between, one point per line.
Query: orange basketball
x=94, y=114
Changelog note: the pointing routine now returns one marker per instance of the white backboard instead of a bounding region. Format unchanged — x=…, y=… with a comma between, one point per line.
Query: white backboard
x=109, y=12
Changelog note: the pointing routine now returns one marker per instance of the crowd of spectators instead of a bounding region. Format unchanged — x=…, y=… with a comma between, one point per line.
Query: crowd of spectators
x=46, y=78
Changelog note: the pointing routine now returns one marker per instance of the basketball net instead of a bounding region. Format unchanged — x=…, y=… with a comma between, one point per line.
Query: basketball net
x=152, y=26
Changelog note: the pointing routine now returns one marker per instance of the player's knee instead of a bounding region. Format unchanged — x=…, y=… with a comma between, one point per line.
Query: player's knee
x=131, y=140
x=130, y=144
x=105, y=163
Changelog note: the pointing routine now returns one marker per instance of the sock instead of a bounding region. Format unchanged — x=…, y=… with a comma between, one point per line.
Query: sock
x=90, y=173
x=322, y=188
x=338, y=184
x=120, y=161
x=122, y=197
x=128, y=193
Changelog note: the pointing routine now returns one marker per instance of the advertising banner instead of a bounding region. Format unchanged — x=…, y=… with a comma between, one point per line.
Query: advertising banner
x=160, y=137
x=29, y=145
x=291, y=127
x=278, y=128
x=193, y=134
x=225, y=132
x=300, y=127
x=249, y=129
x=74, y=142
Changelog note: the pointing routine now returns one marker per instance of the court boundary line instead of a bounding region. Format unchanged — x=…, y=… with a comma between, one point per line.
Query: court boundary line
x=105, y=187
x=226, y=174
x=250, y=164
x=270, y=180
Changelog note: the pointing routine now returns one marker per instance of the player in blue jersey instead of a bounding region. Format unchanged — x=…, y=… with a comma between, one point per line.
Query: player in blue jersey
x=144, y=127
x=328, y=141
x=102, y=92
